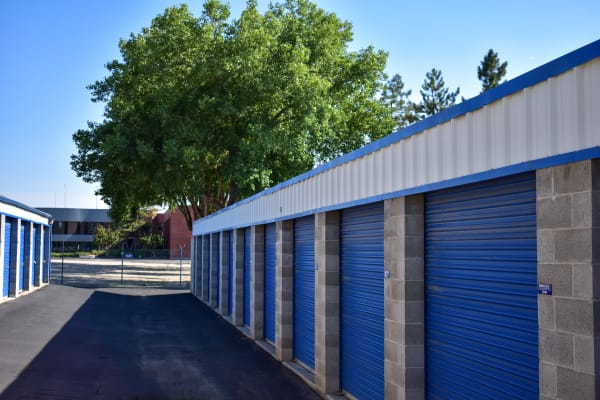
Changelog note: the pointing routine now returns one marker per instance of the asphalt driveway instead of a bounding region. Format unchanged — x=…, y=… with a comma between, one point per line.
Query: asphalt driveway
x=131, y=343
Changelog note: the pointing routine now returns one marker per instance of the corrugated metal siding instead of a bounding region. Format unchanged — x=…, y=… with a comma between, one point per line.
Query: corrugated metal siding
x=7, y=255
x=21, y=265
x=555, y=116
x=270, y=268
x=481, y=297
x=247, y=274
x=231, y=269
x=304, y=290
x=362, y=301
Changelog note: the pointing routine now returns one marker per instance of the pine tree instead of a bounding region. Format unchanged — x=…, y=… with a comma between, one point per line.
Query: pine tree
x=491, y=72
x=394, y=97
x=435, y=95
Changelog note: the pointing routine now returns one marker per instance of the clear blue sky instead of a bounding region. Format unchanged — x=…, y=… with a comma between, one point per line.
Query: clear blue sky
x=50, y=51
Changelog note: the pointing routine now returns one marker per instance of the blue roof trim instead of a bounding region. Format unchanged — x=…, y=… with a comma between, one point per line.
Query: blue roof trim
x=24, y=207
x=533, y=77
x=552, y=161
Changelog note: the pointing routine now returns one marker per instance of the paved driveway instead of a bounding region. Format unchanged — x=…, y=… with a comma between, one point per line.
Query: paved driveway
x=131, y=343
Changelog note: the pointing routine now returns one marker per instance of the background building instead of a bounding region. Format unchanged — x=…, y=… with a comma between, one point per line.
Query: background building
x=174, y=229
x=75, y=227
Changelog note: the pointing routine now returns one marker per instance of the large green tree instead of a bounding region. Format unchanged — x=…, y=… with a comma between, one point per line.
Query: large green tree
x=491, y=71
x=435, y=96
x=397, y=99
x=201, y=112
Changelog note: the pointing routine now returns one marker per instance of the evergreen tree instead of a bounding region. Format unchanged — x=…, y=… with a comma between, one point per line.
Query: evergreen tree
x=435, y=95
x=394, y=97
x=491, y=71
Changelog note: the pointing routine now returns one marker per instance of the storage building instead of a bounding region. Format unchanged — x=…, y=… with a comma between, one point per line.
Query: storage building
x=455, y=258
x=25, y=243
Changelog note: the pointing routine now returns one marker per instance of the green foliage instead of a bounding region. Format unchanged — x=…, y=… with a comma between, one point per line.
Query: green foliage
x=491, y=72
x=105, y=238
x=201, y=112
x=394, y=97
x=435, y=96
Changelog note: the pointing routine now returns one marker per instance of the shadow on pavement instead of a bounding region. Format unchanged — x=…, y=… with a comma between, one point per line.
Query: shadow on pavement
x=152, y=346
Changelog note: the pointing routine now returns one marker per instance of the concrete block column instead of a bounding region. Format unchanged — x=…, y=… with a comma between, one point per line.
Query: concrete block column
x=206, y=268
x=257, y=282
x=15, y=259
x=568, y=252
x=224, y=273
x=214, y=269
x=327, y=302
x=38, y=257
x=284, y=290
x=404, y=298
x=238, y=277
x=193, y=265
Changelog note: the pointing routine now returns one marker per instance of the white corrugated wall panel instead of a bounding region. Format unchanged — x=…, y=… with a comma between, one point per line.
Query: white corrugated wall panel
x=556, y=116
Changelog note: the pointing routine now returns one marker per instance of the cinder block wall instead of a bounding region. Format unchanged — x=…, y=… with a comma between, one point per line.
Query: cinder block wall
x=568, y=223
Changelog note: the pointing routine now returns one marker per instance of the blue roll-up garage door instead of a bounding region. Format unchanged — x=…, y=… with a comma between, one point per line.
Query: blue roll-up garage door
x=231, y=267
x=216, y=253
x=481, y=298
x=205, y=267
x=47, y=254
x=362, y=301
x=36, y=258
x=304, y=290
x=247, y=275
x=6, y=266
x=270, y=267
x=21, y=265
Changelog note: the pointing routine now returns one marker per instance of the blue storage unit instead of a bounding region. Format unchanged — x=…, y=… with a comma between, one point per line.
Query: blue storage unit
x=304, y=290
x=270, y=276
x=47, y=255
x=7, y=255
x=205, y=267
x=362, y=301
x=231, y=268
x=247, y=275
x=215, y=251
x=481, y=298
x=21, y=264
x=36, y=257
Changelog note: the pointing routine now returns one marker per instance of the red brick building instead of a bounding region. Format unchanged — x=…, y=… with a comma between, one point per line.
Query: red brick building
x=175, y=232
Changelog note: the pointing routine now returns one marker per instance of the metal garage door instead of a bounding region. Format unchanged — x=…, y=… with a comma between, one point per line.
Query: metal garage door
x=47, y=254
x=36, y=258
x=216, y=253
x=481, y=298
x=231, y=268
x=247, y=275
x=205, y=267
x=270, y=267
x=6, y=268
x=362, y=301
x=21, y=266
x=304, y=290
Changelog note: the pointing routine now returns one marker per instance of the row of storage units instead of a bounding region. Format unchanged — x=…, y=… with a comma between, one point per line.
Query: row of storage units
x=25, y=250
x=480, y=299
x=453, y=259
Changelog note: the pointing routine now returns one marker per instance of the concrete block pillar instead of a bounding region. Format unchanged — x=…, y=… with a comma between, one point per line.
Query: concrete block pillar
x=568, y=252
x=257, y=282
x=327, y=302
x=284, y=290
x=238, y=277
x=404, y=298
x=2, y=241
x=214, y=270
x=224, y=273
